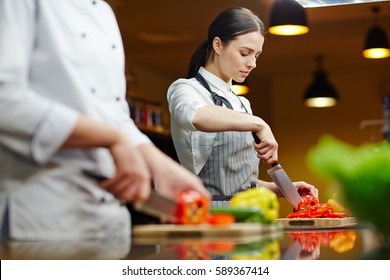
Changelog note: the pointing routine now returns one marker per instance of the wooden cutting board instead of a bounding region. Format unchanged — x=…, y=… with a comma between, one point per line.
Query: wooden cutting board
x=318, y=223
x=203, y=230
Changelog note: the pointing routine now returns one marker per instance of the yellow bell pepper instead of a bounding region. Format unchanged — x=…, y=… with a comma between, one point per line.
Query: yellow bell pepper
x=259, y=197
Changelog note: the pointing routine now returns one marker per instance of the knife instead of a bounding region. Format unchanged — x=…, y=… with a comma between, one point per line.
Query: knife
x=280, y=178
x=156, y=205
x=282, y=181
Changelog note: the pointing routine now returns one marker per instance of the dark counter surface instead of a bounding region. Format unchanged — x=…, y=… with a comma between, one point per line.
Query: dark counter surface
x=333, y=244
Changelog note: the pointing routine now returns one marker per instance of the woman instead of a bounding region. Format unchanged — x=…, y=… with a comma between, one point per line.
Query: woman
x=212, y=128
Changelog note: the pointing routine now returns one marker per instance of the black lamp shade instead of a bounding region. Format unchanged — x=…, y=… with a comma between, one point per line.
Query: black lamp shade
x=376, y=45
x=287, y=13
x=320, y=93
x=376, y=38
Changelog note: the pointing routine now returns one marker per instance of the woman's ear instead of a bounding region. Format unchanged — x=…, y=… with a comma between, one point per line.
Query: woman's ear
x=217, y=45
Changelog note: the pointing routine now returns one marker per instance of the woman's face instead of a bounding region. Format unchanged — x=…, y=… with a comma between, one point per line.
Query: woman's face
x=237, y=59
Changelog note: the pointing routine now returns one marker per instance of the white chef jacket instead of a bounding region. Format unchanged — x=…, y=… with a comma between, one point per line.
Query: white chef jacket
x=59, y=59
x=185, y=98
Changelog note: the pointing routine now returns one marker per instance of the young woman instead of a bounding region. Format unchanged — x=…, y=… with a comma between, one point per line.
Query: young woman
x=212, y=128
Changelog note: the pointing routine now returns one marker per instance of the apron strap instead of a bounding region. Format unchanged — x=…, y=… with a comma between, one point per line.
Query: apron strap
x=218, y=100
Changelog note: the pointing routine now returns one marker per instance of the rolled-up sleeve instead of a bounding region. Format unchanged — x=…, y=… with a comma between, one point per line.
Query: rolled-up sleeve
x=184, y=102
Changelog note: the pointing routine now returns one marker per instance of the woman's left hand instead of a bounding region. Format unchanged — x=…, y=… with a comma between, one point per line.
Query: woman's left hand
x=304, y=188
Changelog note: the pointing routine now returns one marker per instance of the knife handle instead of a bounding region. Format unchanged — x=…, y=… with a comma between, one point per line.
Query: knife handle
x=95, y=176
x=257, y=140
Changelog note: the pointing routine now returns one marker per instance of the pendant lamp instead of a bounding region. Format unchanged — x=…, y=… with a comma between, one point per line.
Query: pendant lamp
x=240, y=88
x=376, y=45
x=320, y=93
x=288, y=18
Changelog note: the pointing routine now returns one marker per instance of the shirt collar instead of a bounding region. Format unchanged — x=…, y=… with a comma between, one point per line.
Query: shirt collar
x=216, y=82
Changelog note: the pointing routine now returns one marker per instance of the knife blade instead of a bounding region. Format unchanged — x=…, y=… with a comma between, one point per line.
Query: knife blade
x=282, y=181
x=156, y=205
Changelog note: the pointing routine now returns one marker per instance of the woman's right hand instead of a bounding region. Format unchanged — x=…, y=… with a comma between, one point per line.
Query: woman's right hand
x=267, y=149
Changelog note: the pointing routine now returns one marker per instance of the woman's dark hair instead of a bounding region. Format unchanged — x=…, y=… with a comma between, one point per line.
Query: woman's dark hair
x=227, y=26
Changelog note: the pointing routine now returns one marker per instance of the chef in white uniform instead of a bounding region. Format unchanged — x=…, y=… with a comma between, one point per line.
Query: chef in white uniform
x=63, y=110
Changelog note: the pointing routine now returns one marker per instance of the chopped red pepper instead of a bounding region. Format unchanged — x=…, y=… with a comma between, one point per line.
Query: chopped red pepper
x=307, y=202
x=221, y=219
x=311, y=208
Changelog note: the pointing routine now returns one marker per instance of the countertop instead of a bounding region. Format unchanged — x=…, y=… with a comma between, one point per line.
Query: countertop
x=333, y=244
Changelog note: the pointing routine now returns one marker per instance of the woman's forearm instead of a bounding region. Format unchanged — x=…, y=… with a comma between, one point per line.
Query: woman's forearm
x=213, y=118
x=271, y=186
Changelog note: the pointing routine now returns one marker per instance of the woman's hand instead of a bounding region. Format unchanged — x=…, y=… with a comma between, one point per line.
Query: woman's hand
x=304, y=188
x=267, y=149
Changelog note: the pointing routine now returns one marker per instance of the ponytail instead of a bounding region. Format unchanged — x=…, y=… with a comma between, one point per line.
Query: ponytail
x=198, y=59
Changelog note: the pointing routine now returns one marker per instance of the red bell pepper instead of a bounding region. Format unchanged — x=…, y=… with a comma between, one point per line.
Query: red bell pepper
x=192, y=207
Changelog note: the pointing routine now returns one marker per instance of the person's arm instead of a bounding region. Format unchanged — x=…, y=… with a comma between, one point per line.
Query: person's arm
x=89, y=133
x=188, y=107
x=132, y=179
x=30, y=125
x=302, y=187
x=271, y=186
x=169, y=176
x=136, y=166
x=211, y=118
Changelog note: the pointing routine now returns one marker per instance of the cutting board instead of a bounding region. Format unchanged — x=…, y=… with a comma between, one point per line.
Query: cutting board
x=203, y=230
x=318, y=223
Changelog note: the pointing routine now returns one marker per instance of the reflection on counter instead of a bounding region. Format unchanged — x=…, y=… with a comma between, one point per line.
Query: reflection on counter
x=352, y=244
x=348, y=244
x=90, y=249
x=307, y=243
x=258, y=247
x=297, y=245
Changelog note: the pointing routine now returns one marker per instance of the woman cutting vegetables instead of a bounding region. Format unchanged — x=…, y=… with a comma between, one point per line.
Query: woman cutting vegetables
x=211, y=126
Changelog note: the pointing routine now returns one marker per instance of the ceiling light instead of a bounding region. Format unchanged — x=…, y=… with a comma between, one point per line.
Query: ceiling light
x=376, y=45
x=288, y=18
x=240, y=88
x=327, y=3
x=320, y=93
